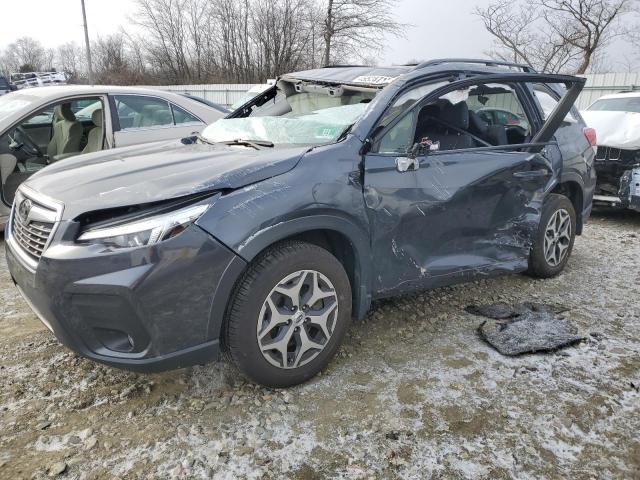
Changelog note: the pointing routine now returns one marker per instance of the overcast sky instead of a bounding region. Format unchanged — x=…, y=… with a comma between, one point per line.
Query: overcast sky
x=441, y=28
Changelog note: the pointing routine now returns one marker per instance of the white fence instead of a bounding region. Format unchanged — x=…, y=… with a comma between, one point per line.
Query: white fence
x=224, y=93
x=597, y=85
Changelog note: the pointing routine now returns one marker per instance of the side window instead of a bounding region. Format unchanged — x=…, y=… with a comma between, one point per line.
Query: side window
x=138, y=111
x=40, y=118
x=182, y=117
x=407, y=100
x=398, y=139
x=483, y=115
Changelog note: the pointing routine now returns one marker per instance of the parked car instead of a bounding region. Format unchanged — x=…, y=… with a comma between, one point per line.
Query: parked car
x=616, y=118
x=5, y=86
x=217, y=106
x=41, y=126
x=268, y=233
x=498, y=116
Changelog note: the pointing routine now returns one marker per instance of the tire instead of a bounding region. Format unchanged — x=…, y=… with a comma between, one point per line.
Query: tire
x=547, y=265
x=261, y=314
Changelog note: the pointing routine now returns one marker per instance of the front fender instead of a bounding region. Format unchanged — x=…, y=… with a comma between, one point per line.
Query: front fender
x=321, y=193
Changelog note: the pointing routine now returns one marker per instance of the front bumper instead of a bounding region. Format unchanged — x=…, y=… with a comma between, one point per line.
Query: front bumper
x=618, y=178
x=144, y=309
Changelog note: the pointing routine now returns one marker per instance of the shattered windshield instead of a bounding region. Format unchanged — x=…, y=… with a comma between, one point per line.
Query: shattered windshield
x=308, y=115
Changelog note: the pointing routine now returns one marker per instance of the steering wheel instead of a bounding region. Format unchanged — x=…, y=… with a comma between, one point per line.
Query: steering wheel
x=26, y=143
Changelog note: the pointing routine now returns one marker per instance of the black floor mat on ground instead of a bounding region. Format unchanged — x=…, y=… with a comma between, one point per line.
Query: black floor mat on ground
x=525, y=328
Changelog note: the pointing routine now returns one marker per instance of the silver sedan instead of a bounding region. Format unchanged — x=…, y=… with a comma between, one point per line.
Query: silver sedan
x=39, y=126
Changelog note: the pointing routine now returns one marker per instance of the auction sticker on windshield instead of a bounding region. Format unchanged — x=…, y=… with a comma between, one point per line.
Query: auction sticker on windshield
x=374, y=79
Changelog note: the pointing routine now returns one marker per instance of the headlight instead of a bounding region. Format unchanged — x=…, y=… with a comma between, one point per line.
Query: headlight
x=146, y=231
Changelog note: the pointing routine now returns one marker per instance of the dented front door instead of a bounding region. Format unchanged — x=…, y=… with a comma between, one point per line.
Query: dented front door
x=450, y=216
x=459, y=214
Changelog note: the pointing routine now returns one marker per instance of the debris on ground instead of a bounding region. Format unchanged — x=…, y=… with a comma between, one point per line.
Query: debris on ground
x=525, y=327
x=413, y=393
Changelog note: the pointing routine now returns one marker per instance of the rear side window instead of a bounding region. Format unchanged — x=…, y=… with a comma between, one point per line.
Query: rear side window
x=182, y=117
x=138, y=111
x=548, y=101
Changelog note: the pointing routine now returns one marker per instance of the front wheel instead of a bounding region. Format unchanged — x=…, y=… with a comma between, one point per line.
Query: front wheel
x=288, y=315
x=554, y=240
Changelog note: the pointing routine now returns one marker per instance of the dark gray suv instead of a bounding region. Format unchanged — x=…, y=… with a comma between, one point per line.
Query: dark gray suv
x=267, y=234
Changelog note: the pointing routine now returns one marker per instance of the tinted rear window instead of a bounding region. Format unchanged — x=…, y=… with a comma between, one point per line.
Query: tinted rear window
x=3, y=83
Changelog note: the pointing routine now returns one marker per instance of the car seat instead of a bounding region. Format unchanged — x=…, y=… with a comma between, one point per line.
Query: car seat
x=446, y=124
x=67, y=132
x=95, y=137
x=493, y=134
x=8, y=164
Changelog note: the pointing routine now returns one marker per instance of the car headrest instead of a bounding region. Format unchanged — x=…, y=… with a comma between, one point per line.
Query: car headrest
x=430, y=110
x=96, y=117
x=64, y=111
x=457, y=115
x=476, y=123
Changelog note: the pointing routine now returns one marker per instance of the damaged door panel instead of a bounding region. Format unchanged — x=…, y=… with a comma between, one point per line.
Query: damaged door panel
x=455, y=205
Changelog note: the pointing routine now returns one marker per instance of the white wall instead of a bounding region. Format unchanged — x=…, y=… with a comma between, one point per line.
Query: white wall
x=223, y=93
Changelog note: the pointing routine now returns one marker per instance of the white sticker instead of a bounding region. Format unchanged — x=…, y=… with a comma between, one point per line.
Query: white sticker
x=374, y=79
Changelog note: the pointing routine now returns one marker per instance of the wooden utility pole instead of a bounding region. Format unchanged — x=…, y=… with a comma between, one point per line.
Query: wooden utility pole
x=86, y=41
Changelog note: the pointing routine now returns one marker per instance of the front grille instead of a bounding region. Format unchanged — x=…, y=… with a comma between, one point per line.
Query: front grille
x=608, y=153
x=32, y=223
x=32, y=236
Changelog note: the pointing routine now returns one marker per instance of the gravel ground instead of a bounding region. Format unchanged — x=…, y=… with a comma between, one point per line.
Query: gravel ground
x=414, y=393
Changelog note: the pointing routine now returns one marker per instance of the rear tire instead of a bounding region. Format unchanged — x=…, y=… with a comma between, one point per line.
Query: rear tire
x=555, y=237
x=288, y=315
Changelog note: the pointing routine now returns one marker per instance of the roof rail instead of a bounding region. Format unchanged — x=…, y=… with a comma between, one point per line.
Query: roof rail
x=488, y=63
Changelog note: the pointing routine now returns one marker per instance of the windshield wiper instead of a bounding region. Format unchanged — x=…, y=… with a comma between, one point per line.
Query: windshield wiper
x=249, y=143
x=238, y=141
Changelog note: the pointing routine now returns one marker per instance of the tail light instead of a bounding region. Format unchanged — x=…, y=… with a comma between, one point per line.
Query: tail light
x=590, y=134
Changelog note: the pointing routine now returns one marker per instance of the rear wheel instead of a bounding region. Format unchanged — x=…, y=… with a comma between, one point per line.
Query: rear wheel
x=555, y=237
x=288, y=315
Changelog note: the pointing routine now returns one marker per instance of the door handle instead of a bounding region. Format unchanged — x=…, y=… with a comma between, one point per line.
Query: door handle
x=543, y=172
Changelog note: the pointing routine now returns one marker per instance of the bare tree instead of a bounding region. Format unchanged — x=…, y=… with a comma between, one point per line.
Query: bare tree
x=554, y=35
x=353, y=25
x=70, y=59
x=25, y=54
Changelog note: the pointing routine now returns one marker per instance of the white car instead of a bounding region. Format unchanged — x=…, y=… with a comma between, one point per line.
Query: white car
x=39, y=126
x=616, y=120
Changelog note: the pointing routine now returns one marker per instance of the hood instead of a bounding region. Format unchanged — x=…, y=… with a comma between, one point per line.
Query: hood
x=615, y=129
x=154, y=172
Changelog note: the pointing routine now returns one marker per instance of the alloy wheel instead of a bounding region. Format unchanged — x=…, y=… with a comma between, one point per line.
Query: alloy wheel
x=297, y=319
x=557, y=237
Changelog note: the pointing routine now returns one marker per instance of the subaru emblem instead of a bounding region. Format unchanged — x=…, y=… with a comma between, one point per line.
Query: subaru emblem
x=24, y=209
